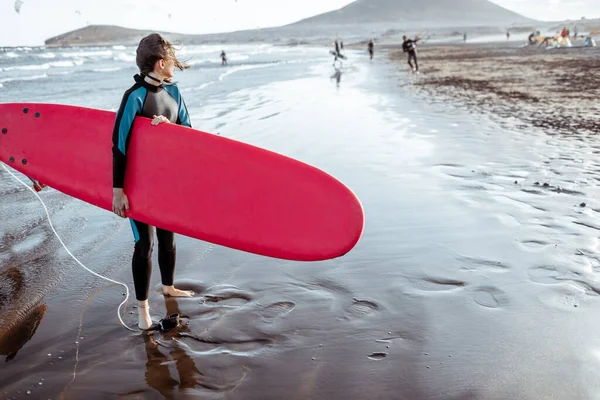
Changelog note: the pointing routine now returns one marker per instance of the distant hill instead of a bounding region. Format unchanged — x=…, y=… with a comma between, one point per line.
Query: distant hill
x=98, y=34
x=421, y=12
x=356, y=21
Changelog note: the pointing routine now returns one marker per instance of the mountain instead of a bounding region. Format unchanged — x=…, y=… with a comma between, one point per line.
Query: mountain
x=421, y=12
x=356, y=21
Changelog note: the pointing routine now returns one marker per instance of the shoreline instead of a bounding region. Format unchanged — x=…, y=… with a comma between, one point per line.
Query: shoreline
x=556, y=90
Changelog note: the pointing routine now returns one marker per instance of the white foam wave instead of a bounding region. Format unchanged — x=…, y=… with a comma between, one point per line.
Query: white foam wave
x=119, y=47
x=33, y=67
x=79, y=54
x=238, y=58
x=24, y=78
x=245, y=68
x=195, y=89
x=124, y=57
x=200, y=50
x=109, y=69
x=196, y=62
x=62, y=64
x=47, y=55
x=11, y=54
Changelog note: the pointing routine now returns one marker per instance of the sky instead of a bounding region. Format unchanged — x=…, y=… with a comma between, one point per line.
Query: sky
x=41, y=19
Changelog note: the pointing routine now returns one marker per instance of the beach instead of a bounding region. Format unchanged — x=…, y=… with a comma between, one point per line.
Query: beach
x=556, y=90
x=476, y=276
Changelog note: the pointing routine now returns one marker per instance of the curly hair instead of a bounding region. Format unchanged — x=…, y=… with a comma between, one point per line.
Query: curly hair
x=153, y=48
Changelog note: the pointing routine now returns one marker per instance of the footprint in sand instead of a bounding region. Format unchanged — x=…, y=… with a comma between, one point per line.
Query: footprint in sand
x=377, y=356
x=430, y=284
x=481, y=264
x=534, y=244
x=546, y=274
x=489, y=297
x=361, y=308
x=230, y=296
x=552, y=275
x=277, y=310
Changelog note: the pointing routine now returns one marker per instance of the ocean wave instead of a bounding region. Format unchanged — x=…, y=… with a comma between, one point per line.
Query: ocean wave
x=124, y=57
x=63, y=64
x=195, y=89
x=200, y=50
x=198, y=62
x=108, y=69
x=24, y=78
x=89, y=54
x=119, y=47
x=238, y=58
x=11, y=54
x=38, y=67
x=33, y=67
x=46, y=55
x=246, y=68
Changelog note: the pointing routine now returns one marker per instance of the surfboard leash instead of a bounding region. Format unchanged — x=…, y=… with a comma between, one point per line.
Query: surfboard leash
x=71, y=254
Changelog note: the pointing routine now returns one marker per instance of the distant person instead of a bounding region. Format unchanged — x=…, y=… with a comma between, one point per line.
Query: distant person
x=575, y=33
x=371, y=48
x=336, y=52
x=507, y=35
x=465, y=37
x=589, y=42
x=342, y=45
x=223, y=58
x=410, y=46
x=532, y=38
x=564, y=32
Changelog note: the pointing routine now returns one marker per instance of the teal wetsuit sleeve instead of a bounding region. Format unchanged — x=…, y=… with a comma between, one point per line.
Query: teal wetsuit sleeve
x=183, y=117
x=131, y=106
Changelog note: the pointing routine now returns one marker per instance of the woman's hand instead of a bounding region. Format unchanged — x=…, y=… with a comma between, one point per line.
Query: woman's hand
x=120, y=203
x=159, y=119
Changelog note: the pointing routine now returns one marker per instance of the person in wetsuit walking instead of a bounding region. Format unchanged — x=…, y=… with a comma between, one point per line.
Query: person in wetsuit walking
x=371, y=48
x=152, y=96
x=410, y=46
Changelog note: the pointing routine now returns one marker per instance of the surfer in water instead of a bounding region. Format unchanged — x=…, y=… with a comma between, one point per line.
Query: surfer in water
x=153, y=96
x=371, y=48
x=223, y=58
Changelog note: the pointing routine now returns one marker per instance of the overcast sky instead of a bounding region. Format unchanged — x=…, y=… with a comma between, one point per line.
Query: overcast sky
x=41, y=19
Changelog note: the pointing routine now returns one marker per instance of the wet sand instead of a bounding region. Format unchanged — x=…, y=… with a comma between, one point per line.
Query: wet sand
x=476, y=278
x=557, y=90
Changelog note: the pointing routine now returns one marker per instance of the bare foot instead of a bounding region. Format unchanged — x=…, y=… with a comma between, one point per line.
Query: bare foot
x=171, y=291
x=144, y=319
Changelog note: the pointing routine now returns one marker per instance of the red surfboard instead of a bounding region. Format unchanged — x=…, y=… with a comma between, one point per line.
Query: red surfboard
x=190, y=182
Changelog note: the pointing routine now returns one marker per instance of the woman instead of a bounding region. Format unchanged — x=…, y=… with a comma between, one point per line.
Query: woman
x=153, y=96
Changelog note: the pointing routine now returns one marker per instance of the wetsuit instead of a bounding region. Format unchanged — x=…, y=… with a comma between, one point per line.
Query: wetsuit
x=410, y=46
x=146, y=100
x=371, y=49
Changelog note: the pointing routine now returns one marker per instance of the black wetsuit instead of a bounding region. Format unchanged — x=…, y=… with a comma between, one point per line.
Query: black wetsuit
x=146, y=100
x=410, y=46
x=371, y=49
